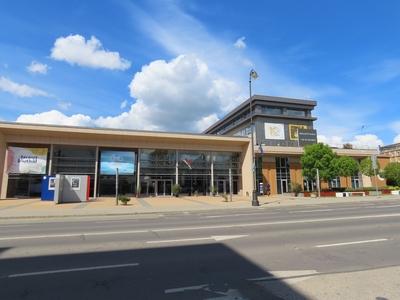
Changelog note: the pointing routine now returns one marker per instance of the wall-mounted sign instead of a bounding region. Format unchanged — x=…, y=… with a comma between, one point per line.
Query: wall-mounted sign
x=274, y=131
x=307, y=137
x=293, y=129
x=111, y=160
x=76, y=183
x=26, y=160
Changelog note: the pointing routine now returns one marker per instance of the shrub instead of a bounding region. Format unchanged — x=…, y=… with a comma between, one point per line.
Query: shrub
x=124, y=199
x=392, y=173
x=296, y=188
x=176, y=190
x=225, y=196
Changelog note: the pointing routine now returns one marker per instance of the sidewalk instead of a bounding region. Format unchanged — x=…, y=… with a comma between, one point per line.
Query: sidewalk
x=34, y=208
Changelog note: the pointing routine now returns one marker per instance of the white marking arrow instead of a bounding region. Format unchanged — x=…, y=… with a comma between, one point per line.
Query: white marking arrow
x=217, y=238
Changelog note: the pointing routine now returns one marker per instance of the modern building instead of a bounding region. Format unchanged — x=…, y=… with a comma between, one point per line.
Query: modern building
x=393, y=151
x=282, y=127
x=149, y=163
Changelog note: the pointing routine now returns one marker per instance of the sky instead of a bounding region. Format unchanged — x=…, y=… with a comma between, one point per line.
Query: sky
x=182, y=65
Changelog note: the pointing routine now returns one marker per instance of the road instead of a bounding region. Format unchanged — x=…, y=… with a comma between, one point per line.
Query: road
x=325, y=251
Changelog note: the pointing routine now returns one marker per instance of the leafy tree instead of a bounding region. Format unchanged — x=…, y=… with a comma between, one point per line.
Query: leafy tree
x=392, y=173
x=366, y=167
x=346, y=166
x=321, y=157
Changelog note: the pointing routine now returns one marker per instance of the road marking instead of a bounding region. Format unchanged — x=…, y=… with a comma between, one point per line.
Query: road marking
x=384, y=206
x=238, y=215
x=217, y=238
x=72, y=270
x=289, y=276
x=27, y=237
x=308, y=211
x=229, y=226
x=185, y=288
x=351, y=243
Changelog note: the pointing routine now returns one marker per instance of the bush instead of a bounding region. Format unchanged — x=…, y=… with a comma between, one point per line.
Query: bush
x=296, y=188
x=176, y=190
x=392, y=173
x=225, y=196
x=124, y=199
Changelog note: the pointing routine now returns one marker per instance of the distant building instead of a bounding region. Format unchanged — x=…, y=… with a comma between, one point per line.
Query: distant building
x=393, y=151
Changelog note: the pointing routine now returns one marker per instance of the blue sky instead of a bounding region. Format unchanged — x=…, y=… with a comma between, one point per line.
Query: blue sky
x=181, y=65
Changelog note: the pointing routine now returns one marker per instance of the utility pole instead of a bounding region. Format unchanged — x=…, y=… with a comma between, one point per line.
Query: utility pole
x=318, y=184
x=116, y=186
x=254, y=200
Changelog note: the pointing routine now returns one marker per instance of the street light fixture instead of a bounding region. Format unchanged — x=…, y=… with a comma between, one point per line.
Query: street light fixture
x=254, y=200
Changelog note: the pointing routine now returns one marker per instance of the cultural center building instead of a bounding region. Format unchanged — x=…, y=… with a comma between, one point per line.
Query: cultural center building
x=150, y=163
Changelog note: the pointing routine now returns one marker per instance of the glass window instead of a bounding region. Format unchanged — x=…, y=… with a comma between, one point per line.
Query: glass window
x=296, y=112
x=73, y=160
x=334, y=183
x=270, y=110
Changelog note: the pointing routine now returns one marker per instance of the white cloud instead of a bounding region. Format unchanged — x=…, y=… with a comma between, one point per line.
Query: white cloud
x=124, y=104
x=179, y=95
x=362, y=141
x=57, y=118
x=396, y=139
x=240, y=44
x=20, y=90
x=37, y=67
x=64, y=105
x=74, y=49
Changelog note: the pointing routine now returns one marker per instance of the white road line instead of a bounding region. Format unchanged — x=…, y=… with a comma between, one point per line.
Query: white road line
x=385, y=206
x=351, y=243
x=185, y=288
x=236, y=225
x=72, y=270
x=238, y=215
x=309, y=211
x=215, y=237
x=27, y=237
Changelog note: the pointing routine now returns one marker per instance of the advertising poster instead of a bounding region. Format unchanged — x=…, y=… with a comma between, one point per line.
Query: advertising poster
x=274, y=131
x=111, y=160
x=293, y=131
x=26, y=160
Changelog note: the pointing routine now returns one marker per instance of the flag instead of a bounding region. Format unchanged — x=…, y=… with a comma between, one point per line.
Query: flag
x=188, y=163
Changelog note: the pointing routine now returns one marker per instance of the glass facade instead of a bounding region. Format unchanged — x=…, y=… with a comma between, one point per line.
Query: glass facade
x=282, y=174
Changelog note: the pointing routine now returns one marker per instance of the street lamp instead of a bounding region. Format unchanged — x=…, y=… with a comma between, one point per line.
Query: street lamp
x=254, y=201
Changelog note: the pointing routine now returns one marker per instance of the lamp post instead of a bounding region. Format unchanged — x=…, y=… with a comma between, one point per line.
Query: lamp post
x=254, y=200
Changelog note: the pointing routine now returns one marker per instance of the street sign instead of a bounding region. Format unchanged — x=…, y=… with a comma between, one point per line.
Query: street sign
x=307, y=136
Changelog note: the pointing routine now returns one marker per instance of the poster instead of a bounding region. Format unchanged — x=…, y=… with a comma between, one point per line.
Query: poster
x=274, y=131
x=52, y=183
x=76, y=183
x=26, y=160
x=111, y=160
x=293, y=131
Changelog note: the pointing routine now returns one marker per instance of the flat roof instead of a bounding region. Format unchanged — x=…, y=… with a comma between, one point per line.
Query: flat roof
x=281, y=100
x=15, y=127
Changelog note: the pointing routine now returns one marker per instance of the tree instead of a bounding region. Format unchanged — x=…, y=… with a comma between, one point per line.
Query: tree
x=346, y=166
x=366, y=167
x=392, y=173
x=321, y=157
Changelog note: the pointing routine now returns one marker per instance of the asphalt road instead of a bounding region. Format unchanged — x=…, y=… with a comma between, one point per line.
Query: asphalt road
x=255, y=253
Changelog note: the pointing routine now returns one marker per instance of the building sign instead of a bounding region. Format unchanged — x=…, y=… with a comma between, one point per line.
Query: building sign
x=274, y=131
x=26, y=160
x=293, y=129
x=111, y=160
x=307, y=137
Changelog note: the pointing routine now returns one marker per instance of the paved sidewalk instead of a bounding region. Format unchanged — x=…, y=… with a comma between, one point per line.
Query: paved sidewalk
x=34, y=208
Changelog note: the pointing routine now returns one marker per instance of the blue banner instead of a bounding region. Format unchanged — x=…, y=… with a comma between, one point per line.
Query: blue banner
x=111, y=160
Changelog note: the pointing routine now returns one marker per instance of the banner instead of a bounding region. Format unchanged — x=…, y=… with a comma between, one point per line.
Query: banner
x=293, y=131
x=111, y=160
x=26, y=160
x=274, y=131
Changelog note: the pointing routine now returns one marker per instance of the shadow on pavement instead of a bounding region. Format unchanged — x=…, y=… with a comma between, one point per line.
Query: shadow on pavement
x=206, y=271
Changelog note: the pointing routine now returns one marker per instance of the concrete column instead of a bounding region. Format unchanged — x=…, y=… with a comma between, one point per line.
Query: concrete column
x=96, y=171
x=3, y=168
x=176, y=168
x=50, y=160
x=138, y=173
x=212, y=173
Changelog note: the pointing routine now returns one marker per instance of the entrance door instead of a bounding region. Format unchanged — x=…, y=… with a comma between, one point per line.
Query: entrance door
x=163, y=187
x=284, y=186
x=222, y=187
